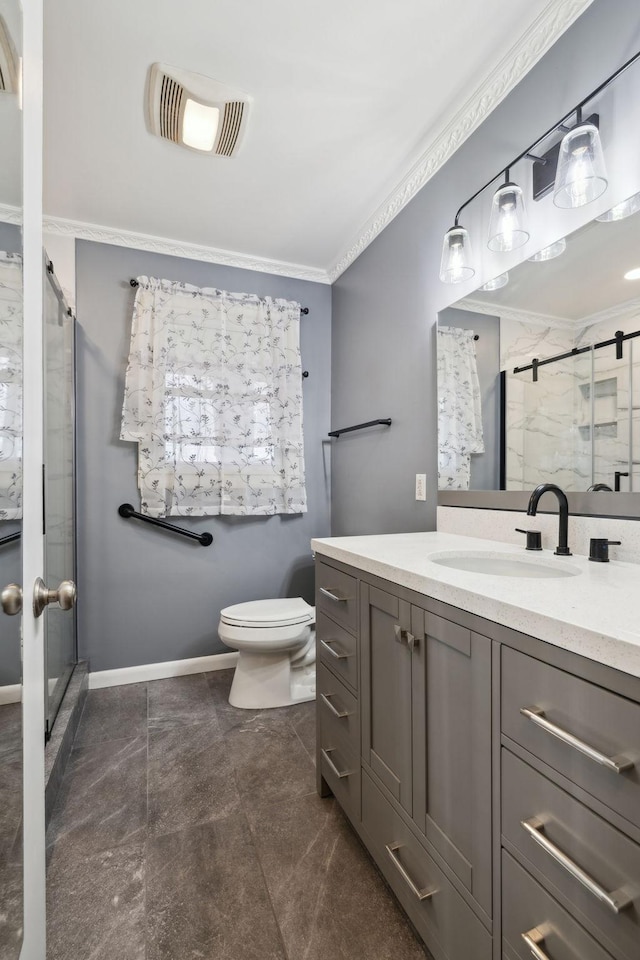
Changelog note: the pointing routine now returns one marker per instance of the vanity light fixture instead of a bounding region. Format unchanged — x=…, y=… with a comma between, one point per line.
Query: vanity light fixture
x=574, y=168
x=621, y=210
x=551, y=252
x=496, y=283
x=581, y=175
x=455, y=265
x=507, y=225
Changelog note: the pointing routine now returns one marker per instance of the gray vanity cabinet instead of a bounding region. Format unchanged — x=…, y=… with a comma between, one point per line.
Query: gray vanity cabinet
x=426, y=728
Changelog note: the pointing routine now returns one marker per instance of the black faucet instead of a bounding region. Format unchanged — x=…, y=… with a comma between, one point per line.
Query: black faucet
x=562, y=550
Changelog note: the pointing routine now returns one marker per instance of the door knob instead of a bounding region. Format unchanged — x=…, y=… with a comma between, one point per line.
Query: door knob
x=64, y=596
x=11, y=599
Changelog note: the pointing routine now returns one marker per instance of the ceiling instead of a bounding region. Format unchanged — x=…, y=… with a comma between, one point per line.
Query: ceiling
x=347, y=99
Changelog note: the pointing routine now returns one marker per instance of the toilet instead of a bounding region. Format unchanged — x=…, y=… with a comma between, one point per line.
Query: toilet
x=275, y=640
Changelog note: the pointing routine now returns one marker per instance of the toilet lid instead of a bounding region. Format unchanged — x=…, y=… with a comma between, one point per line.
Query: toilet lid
x=268, y=613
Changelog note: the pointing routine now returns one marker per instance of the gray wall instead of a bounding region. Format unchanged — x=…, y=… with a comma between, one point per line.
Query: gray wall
x=385, y=304
x=146, y=595
x=10, y=556
x=485, y=467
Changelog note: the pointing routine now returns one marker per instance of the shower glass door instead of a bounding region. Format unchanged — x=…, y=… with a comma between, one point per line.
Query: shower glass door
x=59, y=490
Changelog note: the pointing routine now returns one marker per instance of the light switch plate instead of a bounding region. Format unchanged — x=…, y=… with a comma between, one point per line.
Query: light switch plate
x=421, y=486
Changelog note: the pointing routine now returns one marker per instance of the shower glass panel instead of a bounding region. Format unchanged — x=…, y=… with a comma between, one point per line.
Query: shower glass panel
x=59, y=491
x=611, y=422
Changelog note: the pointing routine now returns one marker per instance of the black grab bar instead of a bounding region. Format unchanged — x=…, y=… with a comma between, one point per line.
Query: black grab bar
x=360, y=426
x=10, y=538
x=126, y=510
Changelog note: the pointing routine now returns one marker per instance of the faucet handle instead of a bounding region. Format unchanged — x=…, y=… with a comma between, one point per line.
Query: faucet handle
x=534, y=538
x=599, y=548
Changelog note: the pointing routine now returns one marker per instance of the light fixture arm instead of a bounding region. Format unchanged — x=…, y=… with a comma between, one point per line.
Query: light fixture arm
x=560, y=124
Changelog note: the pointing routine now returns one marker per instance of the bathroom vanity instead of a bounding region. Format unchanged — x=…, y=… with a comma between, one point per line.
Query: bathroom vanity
x=492, y=771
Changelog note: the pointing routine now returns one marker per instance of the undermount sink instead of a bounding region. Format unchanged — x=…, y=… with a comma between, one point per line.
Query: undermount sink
x=504, y=565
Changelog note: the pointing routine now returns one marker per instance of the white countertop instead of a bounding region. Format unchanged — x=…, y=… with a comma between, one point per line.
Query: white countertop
x=595, y=614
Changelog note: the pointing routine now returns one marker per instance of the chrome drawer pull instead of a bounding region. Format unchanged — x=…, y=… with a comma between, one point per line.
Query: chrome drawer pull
x=340, y=774
x=427, y=893
x=617, y=764
x=533, y=939
x=334, y=596
x=338, y=656
x=338, y=713
x=616, y=901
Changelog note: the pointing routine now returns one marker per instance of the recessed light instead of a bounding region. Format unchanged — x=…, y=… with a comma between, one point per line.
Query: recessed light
x=633, y=274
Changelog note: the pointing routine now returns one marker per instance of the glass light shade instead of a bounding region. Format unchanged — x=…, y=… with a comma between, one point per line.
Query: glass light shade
x=199, y=125
x=581, y=176
x=507, y=225
x=621, y=210
x=551, y=252
x=456, y=256
x=496, y=283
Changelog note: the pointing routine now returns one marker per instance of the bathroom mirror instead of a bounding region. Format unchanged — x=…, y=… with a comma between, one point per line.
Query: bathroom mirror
x=10, y=480
x=574, y=420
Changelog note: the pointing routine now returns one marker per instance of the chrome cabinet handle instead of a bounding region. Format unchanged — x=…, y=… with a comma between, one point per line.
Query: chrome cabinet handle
x=64, y=596
x=11, y=599
x=338, y=656
x=616, y=764
x=334, y=596
x=617, y=900
x=338, y=713
x=340, y=774
x=533, y=939
x=427, y=892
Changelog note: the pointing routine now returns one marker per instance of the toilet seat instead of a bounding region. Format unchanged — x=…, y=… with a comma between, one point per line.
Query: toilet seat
x=266, y=614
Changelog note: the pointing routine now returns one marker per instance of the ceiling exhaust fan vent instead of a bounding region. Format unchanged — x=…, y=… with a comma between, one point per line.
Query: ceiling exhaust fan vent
x=196, y=112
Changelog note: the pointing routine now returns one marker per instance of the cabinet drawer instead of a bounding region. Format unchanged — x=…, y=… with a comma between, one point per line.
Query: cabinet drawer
x=445, y=922
x=337, y=649
x=341, y=769
x=337, y=595
x=337, y=711
x=599, y=719
x=528, y=909
x=608, y=860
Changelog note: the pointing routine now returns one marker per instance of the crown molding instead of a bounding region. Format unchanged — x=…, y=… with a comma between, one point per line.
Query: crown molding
x=520, y=316
x=552, y=22
x=619, y=312
x=178, y=248
x=10, y=214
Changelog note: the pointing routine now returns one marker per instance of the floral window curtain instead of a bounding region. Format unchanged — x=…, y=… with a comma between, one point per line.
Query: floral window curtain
x=459, y=408
x=10, y=386
x=213, y=398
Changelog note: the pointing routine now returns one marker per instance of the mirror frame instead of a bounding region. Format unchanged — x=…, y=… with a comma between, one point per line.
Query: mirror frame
x=625, y=507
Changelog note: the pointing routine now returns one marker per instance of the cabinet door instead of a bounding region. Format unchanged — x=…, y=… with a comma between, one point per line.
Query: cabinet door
x=452, y=747
x=386, y=691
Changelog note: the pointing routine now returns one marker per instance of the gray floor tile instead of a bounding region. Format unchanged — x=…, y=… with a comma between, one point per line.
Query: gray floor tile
x=206, y=896
x=114, y=713
x=96, y=906
x=191, y=777
x=11, y=912
x=186, y=697
x=269, y=760
x=103, y=798
x=327, y=895
x=232, y=718
x=303, y=721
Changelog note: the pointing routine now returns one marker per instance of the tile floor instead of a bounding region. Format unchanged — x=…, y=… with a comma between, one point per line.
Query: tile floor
x=186, y=829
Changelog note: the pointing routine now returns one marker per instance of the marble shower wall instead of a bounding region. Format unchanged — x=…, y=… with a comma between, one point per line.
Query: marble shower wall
x=549, y=428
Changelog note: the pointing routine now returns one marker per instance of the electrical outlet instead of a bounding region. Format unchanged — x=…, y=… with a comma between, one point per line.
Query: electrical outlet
x=421, y=486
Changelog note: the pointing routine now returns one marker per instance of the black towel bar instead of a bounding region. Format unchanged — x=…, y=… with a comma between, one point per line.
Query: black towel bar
x=126, y=510
x=10, y=538
x=360, y=426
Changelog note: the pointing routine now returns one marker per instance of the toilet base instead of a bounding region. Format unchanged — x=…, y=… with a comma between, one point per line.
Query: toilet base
x=264, y=680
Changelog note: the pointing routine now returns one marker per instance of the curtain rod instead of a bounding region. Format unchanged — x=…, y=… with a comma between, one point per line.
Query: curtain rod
x=134, y=283
x=618, y=340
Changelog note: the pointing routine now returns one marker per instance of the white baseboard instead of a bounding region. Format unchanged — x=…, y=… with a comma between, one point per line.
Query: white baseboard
x=161, y=671
x=11, y=693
